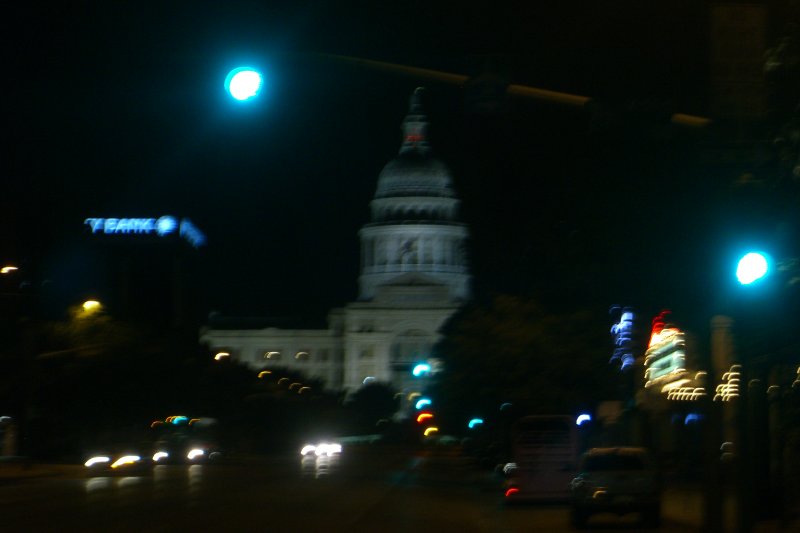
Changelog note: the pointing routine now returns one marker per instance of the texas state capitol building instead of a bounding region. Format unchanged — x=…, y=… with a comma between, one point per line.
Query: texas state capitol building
x=414, y=276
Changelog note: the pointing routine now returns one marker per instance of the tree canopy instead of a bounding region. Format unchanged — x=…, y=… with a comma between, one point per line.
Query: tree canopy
x=514, y=351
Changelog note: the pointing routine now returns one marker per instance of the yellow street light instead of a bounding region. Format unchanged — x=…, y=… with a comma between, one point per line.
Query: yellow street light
x=90, y=305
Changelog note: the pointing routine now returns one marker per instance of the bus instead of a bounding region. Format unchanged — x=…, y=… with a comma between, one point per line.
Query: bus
x=544, y=450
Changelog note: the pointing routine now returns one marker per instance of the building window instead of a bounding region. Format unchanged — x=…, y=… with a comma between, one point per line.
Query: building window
x=302, y=355
x=366, y=353
x=323, y=354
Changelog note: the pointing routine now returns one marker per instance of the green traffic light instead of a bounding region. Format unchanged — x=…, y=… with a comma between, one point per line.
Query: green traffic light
x=243, y=83
x=752, y=267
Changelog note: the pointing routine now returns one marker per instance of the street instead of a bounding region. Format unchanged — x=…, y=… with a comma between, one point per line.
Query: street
x=359, y=491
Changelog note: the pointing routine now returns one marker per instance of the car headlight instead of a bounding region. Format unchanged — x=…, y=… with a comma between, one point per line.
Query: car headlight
x=97, y=459
x=159, y=455
x=328, y=449
x=323, y=449
x=126, y=460
x=308, y=449
x=194, y=453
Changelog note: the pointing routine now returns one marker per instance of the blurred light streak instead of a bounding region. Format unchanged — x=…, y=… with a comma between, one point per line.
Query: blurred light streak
x=475, y=422
x=97, y=460
x=686, y=393
x=422, y=402
x=328, y=449
x=424, y=416
x=691, y=417
x=125, y=460
x=420, y=369
x=195, y=453
x=307, y=449
x=730, y=388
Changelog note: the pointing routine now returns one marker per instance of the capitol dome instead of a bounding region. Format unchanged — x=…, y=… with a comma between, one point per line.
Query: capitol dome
x=414, y=173
x=415, y=231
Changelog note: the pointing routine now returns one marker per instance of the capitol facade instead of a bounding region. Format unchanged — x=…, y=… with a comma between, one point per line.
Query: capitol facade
x=414, y=276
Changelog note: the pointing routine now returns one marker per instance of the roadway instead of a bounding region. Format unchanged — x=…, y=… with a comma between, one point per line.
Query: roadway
x=363, y=490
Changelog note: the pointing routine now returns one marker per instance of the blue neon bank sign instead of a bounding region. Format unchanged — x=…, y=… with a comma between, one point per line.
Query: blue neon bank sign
x=165, y=226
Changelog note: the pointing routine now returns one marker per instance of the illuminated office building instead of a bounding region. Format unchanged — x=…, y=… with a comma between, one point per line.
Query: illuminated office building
x=413, y=277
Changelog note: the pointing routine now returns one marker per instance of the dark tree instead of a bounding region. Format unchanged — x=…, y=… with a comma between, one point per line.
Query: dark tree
x=371, y=403
x=513, y=351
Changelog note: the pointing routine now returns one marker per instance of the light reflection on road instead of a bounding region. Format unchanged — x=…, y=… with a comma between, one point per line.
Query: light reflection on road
x=95, y=484
x=195, y=478
x=319, y=466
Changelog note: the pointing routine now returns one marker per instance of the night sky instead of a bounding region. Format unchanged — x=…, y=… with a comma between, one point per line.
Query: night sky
x=118, y=109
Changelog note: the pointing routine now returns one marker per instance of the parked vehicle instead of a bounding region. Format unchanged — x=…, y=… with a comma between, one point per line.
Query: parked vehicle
x=544, y=454
x=618, y=480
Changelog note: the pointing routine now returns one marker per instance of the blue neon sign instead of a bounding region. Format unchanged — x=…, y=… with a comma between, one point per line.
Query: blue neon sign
x=163, y=227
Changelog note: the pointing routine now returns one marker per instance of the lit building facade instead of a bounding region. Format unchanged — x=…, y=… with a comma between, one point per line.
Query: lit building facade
x=666, y=373
x=414, y=275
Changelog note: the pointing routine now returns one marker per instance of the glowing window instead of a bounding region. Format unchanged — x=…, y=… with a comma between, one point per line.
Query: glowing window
x=302, y=355
x=272, y=355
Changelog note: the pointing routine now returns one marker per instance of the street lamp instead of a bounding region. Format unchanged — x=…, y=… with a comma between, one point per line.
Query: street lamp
x=752, y=267
x=91, y=305
x=475, y=422
x=421, y=369
x=422, y=402
x=244, y=83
